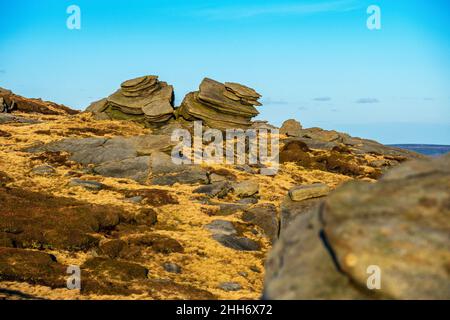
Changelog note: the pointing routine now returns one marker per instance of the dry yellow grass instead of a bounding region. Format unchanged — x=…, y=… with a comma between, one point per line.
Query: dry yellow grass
x=205, y=262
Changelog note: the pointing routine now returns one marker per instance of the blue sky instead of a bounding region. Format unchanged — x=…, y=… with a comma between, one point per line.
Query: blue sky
x=315, y=61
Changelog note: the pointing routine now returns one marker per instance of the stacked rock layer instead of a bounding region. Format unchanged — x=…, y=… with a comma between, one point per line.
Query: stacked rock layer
x=221, y=106
x=143, y=99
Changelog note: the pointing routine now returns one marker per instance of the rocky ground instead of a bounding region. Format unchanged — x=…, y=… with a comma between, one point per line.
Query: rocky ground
x=103, y=194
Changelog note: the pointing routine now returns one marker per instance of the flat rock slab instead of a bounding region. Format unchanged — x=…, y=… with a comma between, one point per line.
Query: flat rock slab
x=87, y=184
x=221, y=227
x=119, y=157
x=237, y=243
x=43, y=170
x=246, y=188
x=9, y=118
x=230, y=286
x=305, y=192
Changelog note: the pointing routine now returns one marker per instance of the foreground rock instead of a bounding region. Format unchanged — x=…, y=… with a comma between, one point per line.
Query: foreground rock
x=143, y=99
x=221, y=106
x=400, y=225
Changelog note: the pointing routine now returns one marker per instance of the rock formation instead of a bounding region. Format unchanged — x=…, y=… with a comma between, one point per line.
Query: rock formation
x=10, y=102
x=291, y=128
x=143, y=99
x=221, y=106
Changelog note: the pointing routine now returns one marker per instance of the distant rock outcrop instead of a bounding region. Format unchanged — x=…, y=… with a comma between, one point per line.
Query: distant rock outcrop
x=144, y=99
x=399, y=226
x=221, y=106
x=291, y=128
x=10, y=102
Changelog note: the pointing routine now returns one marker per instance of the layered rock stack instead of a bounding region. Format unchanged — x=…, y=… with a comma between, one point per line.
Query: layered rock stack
x=144, y=99
x=221, y=106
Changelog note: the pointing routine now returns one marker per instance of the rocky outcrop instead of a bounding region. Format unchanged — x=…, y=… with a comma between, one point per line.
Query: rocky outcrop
x=144, y=99
x=10, y=102
x=337, y=152
x=291, y=128
x=317, y=138
x=221, y=106
x=399, y=226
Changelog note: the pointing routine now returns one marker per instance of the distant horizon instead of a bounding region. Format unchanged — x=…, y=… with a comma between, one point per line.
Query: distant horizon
x=313, y=61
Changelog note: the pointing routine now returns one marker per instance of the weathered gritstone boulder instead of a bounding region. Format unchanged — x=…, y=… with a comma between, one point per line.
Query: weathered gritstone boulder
x=221, y=106
x=291, y=128
x=143, y=99
x=401, y=225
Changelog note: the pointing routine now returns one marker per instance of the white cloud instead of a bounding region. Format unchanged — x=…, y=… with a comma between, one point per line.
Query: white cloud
x=367, y=100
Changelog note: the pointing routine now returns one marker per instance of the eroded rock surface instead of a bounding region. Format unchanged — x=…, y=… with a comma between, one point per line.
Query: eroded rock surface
x=400, y=224
x=221, y=106
x=144, y=99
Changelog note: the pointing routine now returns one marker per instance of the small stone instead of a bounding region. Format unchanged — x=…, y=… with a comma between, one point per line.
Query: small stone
x=221, y=227
x=246, y=188
x=230, y=286
x=255, y=269
x=146, y=216
x=136, y=199
x=43, y=170
x=112, y=248
x=87, y=184
x=217, y=189
x=237, y=243
x=172, y=267
x=226, y=209
x=214, y=177
x=243, y=274
x=248, y=201
x=309, y=191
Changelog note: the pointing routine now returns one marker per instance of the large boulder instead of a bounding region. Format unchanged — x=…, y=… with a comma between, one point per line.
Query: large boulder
x=144, y=99
x=291, y=128
x=399, y=226
x=221, y=106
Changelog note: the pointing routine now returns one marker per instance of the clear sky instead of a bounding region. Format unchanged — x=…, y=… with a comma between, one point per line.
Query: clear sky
x=315, y=61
